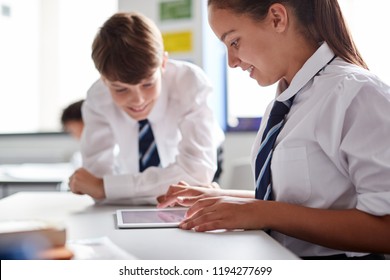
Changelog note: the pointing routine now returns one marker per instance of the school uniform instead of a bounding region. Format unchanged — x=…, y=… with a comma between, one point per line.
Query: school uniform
x=186, y=134
x=333, y=151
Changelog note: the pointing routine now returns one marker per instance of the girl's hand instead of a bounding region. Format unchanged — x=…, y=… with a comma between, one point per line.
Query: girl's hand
x=225, y=213
x=185, y=195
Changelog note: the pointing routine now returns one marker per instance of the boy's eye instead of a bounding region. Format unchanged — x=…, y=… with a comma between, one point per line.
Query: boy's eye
x=146, y=85
x=120, y=90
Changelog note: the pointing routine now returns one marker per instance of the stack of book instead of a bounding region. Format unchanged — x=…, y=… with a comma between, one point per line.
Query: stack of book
x=33, y=239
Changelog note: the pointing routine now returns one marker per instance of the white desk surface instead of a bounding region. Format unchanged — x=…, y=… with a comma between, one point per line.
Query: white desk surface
x=35, y=173
x=83, y=219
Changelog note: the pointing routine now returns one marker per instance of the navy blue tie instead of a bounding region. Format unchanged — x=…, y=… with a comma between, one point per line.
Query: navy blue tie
x=263, y=160
x=148, y=153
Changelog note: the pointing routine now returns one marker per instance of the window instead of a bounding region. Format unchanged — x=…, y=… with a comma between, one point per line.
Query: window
x=45, y=55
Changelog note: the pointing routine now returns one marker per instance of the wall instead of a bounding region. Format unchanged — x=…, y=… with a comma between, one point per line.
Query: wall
x=36, y=148
x=18, y=69
x=45, y=55
x=237, y=173
x=195, y=24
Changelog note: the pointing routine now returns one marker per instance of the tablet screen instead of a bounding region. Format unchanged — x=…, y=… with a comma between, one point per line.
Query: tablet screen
x=170, y=217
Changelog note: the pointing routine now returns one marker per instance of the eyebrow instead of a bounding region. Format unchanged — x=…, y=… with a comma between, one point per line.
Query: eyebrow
x=223, y=37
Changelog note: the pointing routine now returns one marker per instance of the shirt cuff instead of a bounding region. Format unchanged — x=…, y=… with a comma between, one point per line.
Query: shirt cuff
x=377, y=204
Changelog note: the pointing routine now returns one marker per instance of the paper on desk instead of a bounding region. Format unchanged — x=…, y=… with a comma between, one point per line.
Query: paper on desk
x=101, y=248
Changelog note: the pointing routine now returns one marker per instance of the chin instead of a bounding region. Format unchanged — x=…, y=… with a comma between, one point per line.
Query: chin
x=263, y=83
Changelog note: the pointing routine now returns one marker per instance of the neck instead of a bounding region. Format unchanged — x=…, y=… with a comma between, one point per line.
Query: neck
x=298, y=52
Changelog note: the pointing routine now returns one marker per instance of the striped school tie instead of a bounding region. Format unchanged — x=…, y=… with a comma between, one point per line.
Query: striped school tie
x=263, y=160
x=148, y=153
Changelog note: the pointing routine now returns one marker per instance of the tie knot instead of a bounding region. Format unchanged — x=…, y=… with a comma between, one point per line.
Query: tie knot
x=281, y=108
x=142, y=123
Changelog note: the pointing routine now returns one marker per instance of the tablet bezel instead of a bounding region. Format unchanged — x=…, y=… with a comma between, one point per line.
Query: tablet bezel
x=122, y=224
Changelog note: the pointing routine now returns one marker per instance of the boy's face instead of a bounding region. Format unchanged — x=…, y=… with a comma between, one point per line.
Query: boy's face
x=136, y=100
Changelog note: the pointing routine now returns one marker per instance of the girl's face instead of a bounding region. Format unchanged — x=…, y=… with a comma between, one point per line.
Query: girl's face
x=136, y=100
x=253, y=46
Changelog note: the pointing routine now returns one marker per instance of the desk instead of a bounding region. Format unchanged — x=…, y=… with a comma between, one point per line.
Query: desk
x=38, y=175
x=83, y=219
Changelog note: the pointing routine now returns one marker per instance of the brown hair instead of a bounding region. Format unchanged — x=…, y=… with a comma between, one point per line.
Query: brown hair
x=320, y=20
x=128, y=48
x=72, y=112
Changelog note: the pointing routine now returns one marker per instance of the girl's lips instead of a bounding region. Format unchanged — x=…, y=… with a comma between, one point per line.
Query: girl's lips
x=250, y=70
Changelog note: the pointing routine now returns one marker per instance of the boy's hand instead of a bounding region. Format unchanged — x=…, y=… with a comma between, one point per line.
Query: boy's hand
x=83, y=182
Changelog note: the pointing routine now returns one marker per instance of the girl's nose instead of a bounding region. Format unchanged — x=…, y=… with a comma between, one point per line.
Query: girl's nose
x=233, y=60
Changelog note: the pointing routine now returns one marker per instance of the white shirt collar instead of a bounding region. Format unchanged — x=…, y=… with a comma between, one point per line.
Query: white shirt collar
x=311, y=67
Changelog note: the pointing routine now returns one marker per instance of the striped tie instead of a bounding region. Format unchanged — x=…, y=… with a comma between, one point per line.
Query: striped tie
x=148, y=153
x=263, y=159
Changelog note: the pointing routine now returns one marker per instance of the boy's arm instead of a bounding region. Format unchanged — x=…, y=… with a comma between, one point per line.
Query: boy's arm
x=97, y=142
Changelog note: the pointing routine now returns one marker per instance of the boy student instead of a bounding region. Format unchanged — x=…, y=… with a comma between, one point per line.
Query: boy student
x=154, y=109
x=72, y=123
x=71, y=119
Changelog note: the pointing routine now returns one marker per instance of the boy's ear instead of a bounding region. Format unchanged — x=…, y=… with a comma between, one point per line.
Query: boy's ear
x=164, y=62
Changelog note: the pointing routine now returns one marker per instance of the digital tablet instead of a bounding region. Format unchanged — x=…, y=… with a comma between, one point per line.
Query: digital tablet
x=150, y=218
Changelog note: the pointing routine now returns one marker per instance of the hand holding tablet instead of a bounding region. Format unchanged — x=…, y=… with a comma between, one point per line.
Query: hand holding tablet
x=150, y=218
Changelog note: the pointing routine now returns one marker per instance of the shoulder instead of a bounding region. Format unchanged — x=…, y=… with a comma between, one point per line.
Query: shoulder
x=349, y=81
x=98, y=94
x=345, y=94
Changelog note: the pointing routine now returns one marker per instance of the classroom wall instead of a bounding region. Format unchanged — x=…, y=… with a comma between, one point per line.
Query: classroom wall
x=193, y=25
x=36, y=148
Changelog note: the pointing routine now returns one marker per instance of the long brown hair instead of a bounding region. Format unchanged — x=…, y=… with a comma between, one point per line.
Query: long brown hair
x=320, y=20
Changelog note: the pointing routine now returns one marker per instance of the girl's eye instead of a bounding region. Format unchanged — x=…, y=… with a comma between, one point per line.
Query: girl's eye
x=234, y=44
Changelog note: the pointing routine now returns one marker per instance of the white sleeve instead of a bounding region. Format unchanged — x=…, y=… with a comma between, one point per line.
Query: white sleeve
x=365, y=147
x=97, y=141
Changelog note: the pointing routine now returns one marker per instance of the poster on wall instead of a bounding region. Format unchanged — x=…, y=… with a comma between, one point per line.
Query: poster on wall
x=178, y=41
x=175, y=9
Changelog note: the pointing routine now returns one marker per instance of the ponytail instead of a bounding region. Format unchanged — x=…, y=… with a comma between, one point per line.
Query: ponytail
x=331, y=27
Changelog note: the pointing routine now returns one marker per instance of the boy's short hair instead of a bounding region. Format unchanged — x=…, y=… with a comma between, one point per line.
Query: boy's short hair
x=72, y=112
x=128, y=48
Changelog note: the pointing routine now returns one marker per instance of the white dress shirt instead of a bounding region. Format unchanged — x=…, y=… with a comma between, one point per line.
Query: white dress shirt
x=186, y=133
x=334, y=150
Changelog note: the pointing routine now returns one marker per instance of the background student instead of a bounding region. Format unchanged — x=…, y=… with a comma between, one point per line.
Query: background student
x=143, y=96
x=323, y=191
x=72, y=123
x=72, y=120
